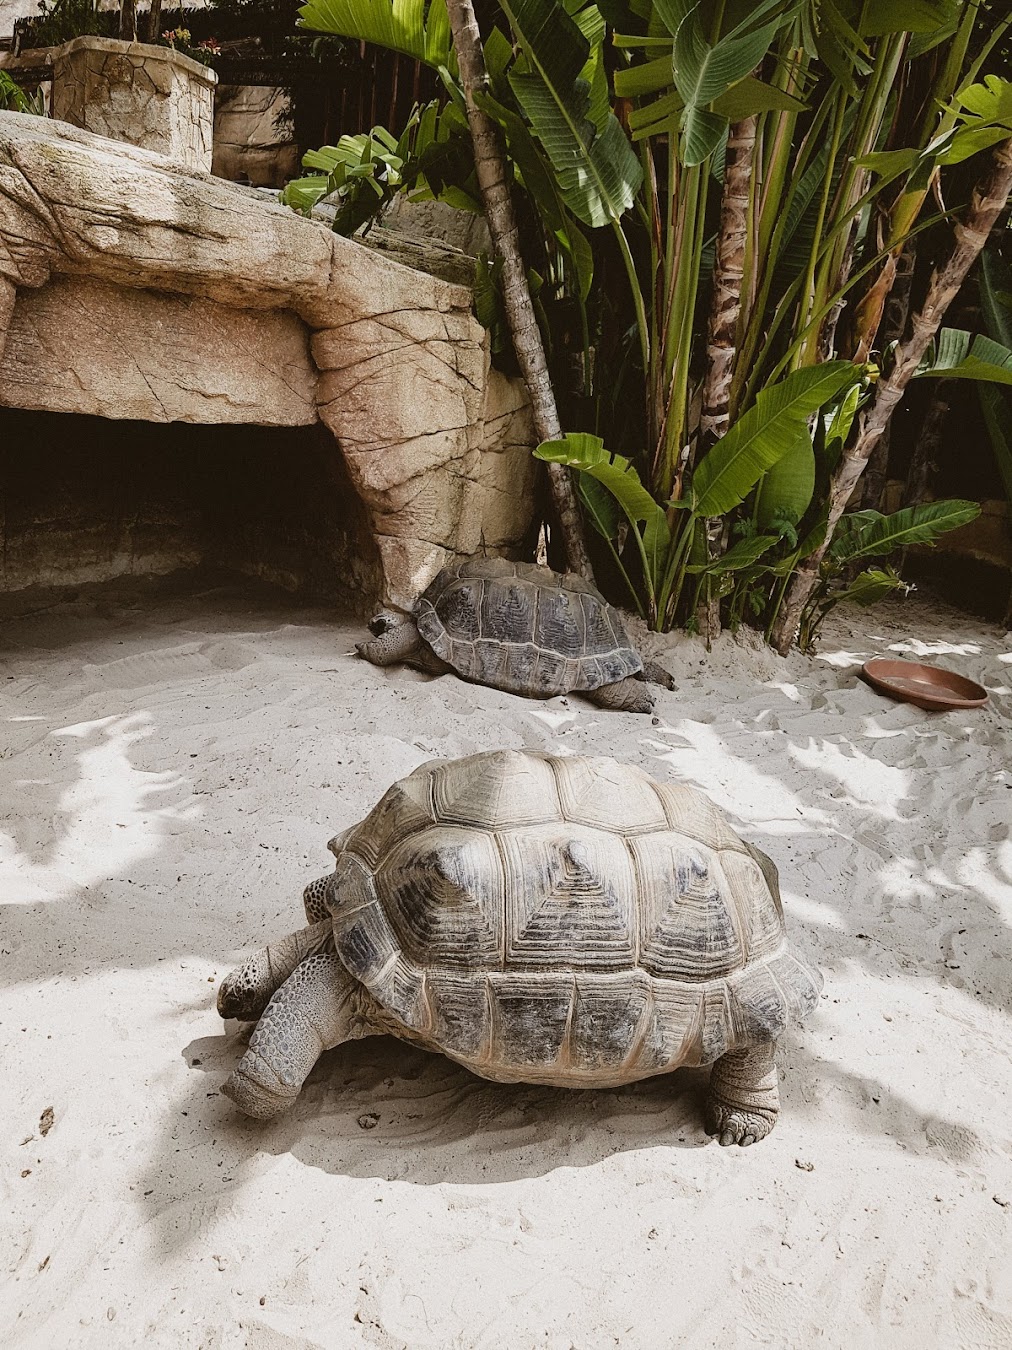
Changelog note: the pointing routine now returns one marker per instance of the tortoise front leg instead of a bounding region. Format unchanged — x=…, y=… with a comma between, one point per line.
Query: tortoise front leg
x=314, y=900
x=312, y=1011
x=628, y=695
x=246, y=992
x=743, y=1102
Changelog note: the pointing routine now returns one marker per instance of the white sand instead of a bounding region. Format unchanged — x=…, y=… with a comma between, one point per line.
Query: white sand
x=168, y=780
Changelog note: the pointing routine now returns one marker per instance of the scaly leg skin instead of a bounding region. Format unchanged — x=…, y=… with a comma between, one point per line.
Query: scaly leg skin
x=310, y=1013
x=314, y=900
x=628, y=695
x=656, y=674
x=395, y=639
x=246, y=992
x=743, y=1103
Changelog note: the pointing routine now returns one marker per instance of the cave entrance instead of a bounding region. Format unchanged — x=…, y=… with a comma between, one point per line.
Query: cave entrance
x=87, y=499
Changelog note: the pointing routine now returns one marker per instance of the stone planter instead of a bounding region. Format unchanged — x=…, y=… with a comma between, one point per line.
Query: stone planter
x=153, y=97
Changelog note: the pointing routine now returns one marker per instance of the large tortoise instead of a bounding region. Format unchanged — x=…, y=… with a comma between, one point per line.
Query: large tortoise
x=567, y=921
x=521, y=628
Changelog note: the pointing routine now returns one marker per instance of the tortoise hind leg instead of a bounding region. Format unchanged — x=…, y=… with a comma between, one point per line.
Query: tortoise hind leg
x=628, y=695
x=313, y=1011
x=743, y=1102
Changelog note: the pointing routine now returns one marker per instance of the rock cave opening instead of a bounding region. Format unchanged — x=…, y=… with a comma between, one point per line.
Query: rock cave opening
x=86, y=500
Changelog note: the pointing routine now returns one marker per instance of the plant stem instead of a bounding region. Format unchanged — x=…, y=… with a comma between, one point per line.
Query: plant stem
x=493, y=179
x=989, y=198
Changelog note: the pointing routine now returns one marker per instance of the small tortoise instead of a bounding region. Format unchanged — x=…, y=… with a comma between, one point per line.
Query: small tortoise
x=521, y=628
x=567, y=921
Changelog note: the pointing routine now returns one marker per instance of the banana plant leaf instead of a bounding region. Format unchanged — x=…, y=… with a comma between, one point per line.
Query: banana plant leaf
x=959, y=355
x=869, y=534
x=400, y=25
x=560, y=91
x=741, y=555
x=767, y=432
x=580, y=450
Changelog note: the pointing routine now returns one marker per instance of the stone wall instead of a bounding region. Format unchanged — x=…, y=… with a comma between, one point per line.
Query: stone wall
x=82, y=345
x=143, y=290
x=149, y=96
x=251, y=142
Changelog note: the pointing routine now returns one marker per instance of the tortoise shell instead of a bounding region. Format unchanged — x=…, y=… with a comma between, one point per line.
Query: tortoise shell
x=525, y=629
x=563, y=920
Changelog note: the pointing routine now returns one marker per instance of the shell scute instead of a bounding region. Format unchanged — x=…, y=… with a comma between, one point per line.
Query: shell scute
x=362, y=931
x=750, y=894
x=609, y=796
x=689, y=923
x=444, y=892
x=691, y=813
x=505, y=788
x=570, y=898
x=401, y=811
x=609, y=1019
x=530, y=1019
x=460, y=1013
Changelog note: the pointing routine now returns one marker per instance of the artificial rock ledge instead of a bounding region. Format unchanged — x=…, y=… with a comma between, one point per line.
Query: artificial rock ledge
x=130, y=287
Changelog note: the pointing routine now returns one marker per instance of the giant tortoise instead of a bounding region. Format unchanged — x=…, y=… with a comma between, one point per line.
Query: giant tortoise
x=539, y=919
x=521, y=628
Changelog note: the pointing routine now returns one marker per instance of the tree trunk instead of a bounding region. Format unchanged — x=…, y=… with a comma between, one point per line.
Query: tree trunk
x=493, y=179
x=989, y=197
x=894, y=325
x=723, y=327
x=154, y=20
x=128, y=21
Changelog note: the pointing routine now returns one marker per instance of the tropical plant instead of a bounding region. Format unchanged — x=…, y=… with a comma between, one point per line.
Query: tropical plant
x=14, y=99
x=755, y=172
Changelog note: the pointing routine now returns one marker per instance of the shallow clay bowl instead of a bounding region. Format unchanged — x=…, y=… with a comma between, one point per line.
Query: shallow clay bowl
x=928, y=687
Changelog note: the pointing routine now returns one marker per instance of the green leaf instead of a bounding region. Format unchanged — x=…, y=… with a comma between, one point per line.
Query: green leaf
x=399, y=25
x=579, y=450
x=871, y=586
x=705, y=71
x=655, y=119
x=959, y=355
x=751, y=96
x=743, y=554
x=785, y=492
x=646, y=78
x=302, y=194
x=868, y=534
x=600, y=506
x=911, y=16
x=597, y=171
x=766, y=432
x=995, y=282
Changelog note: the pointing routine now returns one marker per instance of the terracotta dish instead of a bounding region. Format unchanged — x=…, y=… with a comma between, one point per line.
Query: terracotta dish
x=928, y=687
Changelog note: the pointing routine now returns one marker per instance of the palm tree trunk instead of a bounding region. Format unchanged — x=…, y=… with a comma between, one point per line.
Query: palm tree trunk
x=989, y=197
x=493, y=179
x=723, y=327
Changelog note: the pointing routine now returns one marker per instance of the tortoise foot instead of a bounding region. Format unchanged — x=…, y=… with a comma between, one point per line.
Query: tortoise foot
x=254, y=1098
x=743, y=1102
x=732, y=1125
